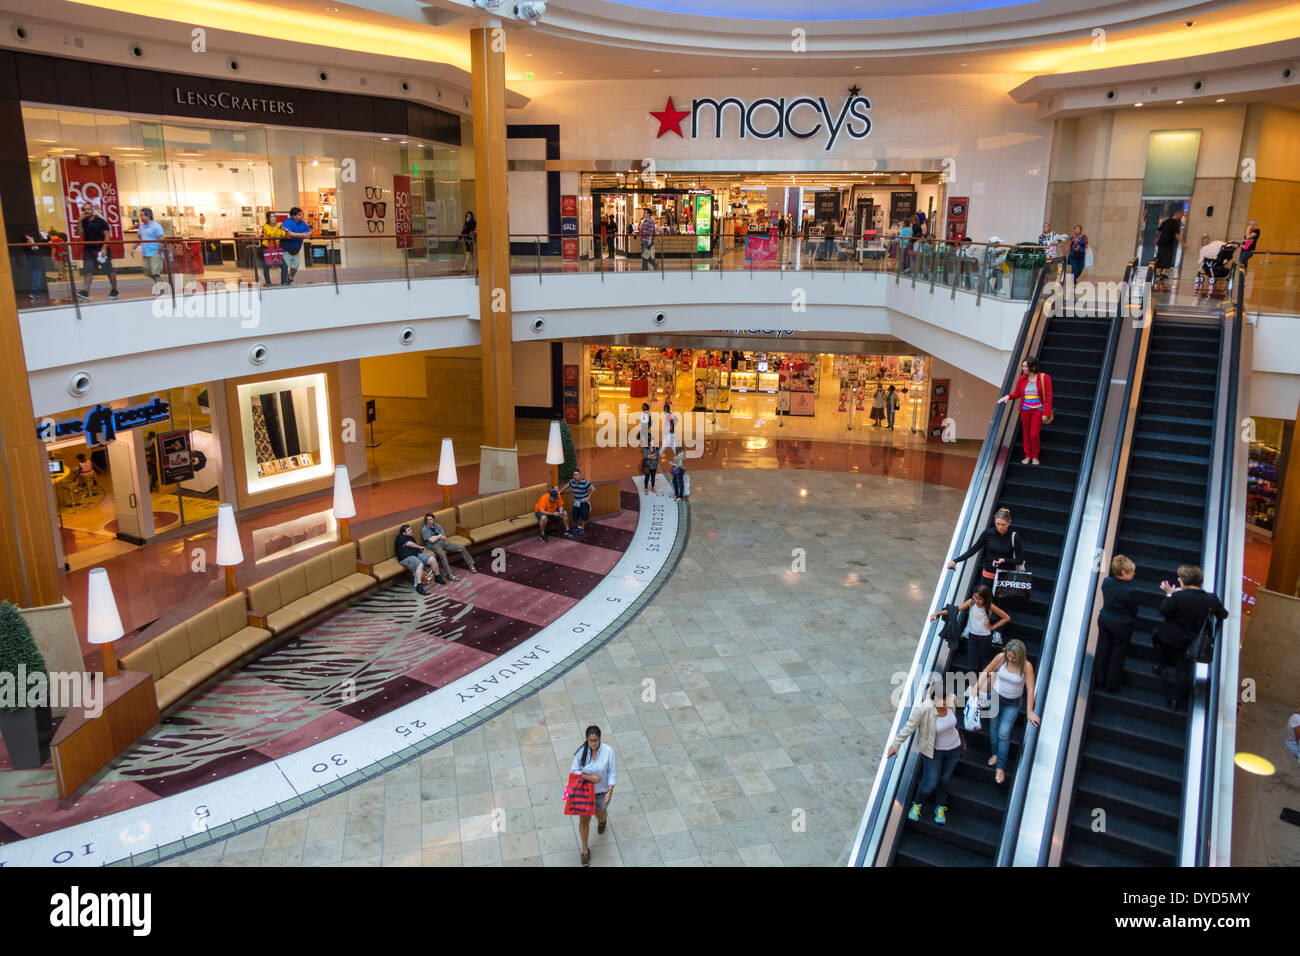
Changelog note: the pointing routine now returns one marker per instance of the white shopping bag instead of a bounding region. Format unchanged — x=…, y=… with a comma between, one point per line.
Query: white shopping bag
x=971, y=716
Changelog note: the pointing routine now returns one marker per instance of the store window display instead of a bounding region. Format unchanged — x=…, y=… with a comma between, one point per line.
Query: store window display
x=285, y=425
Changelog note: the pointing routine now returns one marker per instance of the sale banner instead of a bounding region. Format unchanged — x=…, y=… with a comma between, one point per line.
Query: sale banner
x=402, y=211
x=92, y=181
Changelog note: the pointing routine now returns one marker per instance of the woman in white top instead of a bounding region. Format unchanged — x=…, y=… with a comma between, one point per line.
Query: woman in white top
x=595, y=761
x=645, y=424
x=1293, y=734
x=982, y=627
x=938, y=741
x=1011, y=676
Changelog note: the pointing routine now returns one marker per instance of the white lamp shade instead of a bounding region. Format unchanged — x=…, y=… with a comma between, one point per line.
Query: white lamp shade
x=103, y=625
x=555, y=447
x=447, y=464
x=229, y=550
x=343, y=506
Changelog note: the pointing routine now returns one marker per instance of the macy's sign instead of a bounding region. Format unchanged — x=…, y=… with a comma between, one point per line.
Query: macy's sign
x=771, y=118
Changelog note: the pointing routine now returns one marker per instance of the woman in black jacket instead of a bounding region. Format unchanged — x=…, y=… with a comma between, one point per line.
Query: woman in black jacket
x=1119, y=611
x=468, y=233
x=1185, y=610
x=1000, y=547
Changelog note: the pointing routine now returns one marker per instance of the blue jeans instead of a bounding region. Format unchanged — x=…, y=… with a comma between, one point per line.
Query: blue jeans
x=1008, y=711
x=1076, y=267
x=936, y=771
x=679, y=482
x=890, y=411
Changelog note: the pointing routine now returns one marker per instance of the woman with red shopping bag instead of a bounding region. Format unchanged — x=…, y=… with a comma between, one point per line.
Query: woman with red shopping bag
x=593, y=765
x=1035, y=393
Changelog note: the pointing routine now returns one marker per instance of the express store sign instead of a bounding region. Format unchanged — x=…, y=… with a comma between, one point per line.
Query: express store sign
x=801, y=117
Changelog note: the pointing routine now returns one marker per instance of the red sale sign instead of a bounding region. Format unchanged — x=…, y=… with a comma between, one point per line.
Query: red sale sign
x=402, y=211
x=94, y=185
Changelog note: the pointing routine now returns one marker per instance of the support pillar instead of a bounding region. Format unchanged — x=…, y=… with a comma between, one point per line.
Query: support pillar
x=1284, y=565
x=29, y=570
x=499, y=459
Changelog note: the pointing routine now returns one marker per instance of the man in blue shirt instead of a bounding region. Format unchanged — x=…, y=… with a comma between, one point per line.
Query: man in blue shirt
x=150, y=233
x=296, y=231
x=581, y=489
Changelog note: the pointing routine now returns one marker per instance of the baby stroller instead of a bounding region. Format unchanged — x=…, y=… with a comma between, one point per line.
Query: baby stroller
x=1216, y=264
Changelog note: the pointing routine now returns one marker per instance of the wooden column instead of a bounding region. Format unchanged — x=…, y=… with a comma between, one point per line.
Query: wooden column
x=492, y=214
x=29, y=571
x=1284, y=564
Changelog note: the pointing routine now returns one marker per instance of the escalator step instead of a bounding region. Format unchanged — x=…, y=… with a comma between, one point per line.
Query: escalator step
x=1159, y=809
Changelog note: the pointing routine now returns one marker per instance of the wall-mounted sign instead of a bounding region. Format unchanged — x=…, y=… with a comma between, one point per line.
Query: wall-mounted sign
x=225, y=100
x=902, y=209
x=938, y=409
x=102, y=423
x=958, y=210
x=174, y=457
x=801, y=117
x=826, y=207
x=402, y=211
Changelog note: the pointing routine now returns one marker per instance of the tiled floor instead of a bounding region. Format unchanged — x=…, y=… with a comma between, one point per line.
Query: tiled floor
x=747, y=704
x=1260, y=836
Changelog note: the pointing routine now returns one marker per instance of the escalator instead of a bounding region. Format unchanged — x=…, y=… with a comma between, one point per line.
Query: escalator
x=1133, y=759
x=1041, y=498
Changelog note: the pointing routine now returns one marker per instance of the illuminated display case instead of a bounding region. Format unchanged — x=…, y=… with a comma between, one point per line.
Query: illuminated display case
x=285, y=425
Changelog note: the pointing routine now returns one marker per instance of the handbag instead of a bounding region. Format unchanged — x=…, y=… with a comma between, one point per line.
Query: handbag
x=579, y=796
x=272, y=255
x=1012, y=584
x=1201, y=650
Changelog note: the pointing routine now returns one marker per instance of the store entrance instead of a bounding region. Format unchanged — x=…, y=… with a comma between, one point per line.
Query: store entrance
x=840, y=396
x=113, y=495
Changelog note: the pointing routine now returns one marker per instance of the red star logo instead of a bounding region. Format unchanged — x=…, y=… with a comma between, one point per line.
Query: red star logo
x=670, y=119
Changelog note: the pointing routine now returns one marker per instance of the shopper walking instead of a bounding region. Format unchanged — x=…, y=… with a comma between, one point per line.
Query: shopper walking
x=1011, y=677
x=272, y=254
x=296, y=230
x=1185, y=610
x=983, y=625
x=892, y=402
x=645, y=424
x=34, y=257
x=581, y=489
x=435, y=541
x=934, y=722
x=468, y=233
x=648, y=230
x=1078, y=254
x=677, y=471
x=1169, y=236
x=150, y=232
x=998, y=547
x=649, y=467
x=1115, y=621
x=1293, y=734
x=878, y=407
x=1035, y=392
x=595, y=762
x=96, y=254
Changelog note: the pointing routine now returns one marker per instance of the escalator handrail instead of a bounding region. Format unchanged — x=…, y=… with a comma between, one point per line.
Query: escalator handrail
x=1051, y=627
x=1205, y=777
x=897, y=770
x=1118, y=454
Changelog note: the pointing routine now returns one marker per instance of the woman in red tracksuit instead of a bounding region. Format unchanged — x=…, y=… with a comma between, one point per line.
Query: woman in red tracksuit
x=1035, y=393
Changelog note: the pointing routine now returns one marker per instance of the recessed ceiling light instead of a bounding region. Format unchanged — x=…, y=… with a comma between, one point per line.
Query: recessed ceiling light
x=384, y=138
x=963, y=64
x=1178, y=102
x=559, y=72
x=753, y=69
x=527, y=54
x=656, y=70
x=1137, y=104
x=857, y=68
x=1221, y=100
x=315, y=162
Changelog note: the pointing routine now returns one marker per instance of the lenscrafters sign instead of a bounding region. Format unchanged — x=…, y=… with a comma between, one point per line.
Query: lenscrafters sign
x=233, y=101
x=771, y=118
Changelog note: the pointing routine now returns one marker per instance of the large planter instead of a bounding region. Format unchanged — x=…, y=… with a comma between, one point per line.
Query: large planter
x=26, y=735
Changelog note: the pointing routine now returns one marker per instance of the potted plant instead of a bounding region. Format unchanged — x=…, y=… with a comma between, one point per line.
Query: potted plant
x=1025, y=259
x=25, y=729
x=570, y=454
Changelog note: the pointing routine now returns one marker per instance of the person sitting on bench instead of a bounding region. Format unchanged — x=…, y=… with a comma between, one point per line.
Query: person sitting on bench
x=549, y=507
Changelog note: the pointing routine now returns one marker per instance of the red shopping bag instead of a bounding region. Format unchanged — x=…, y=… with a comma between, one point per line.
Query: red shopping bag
x=579, y=796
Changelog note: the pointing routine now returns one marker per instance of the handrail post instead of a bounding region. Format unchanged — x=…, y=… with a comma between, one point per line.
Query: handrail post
x=406, y=265
x=334, y=271
x=72, y=282
x=171, y=276
x=539, y=259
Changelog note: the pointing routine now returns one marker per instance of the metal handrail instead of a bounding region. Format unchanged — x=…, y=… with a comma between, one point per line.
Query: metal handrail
x=896, y=774
x=1051, y=628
